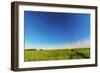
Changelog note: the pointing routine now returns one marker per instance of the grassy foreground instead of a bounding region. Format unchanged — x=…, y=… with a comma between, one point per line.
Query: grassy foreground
x=58, y=54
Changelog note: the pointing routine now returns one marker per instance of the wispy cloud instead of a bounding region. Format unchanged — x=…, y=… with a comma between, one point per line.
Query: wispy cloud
x=78, y=44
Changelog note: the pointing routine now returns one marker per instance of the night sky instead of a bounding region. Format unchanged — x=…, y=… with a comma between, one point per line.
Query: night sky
x=52, y=28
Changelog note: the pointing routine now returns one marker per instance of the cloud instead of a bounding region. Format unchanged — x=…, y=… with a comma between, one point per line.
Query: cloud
x=79, y=44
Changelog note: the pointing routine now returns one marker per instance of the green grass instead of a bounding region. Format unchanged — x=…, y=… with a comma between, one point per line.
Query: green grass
x=58, y=54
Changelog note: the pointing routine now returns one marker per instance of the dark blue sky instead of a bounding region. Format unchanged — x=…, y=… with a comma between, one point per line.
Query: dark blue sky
x=47, y=28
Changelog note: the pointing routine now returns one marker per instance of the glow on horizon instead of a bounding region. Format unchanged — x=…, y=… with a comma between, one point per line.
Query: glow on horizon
x=79, y=44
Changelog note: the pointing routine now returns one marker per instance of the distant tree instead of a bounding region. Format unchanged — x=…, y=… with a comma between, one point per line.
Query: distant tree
x=41, y=49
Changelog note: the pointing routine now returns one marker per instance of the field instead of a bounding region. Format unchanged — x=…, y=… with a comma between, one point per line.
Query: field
x=58, y=54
